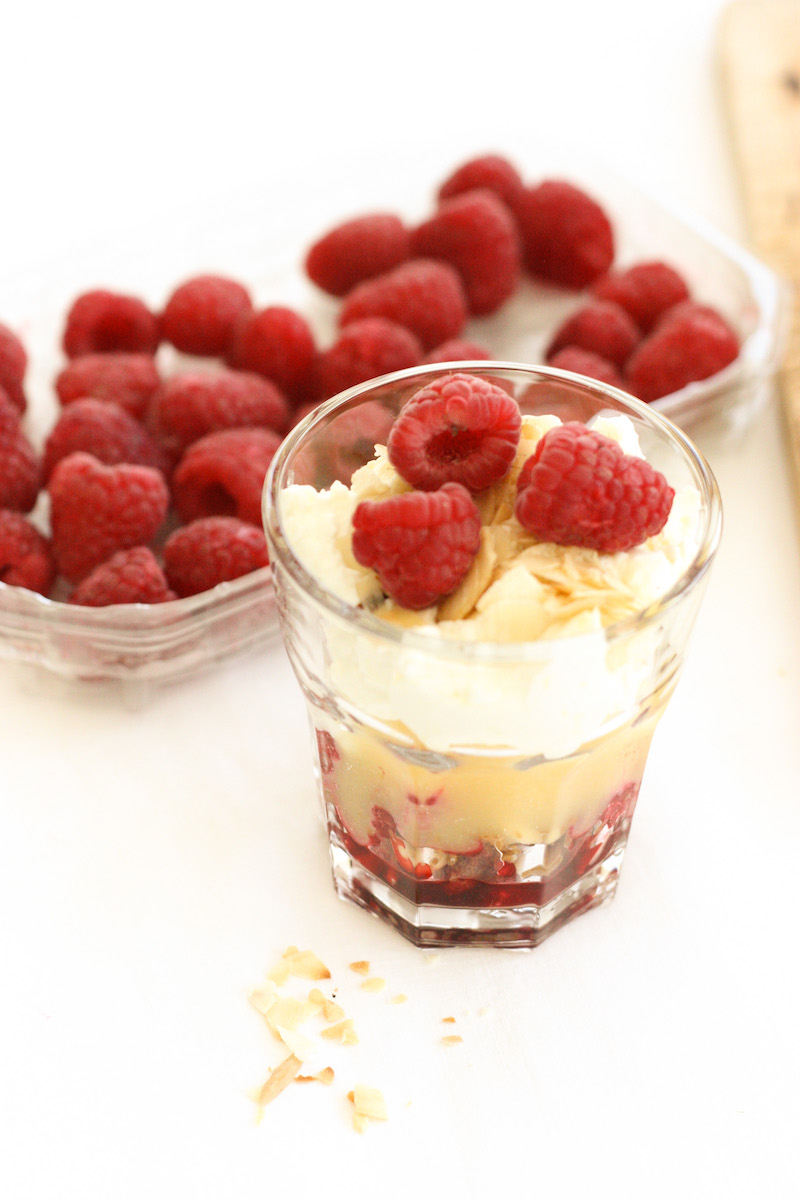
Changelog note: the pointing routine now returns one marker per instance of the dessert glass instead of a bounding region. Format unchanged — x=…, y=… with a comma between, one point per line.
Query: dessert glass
x=479, y=792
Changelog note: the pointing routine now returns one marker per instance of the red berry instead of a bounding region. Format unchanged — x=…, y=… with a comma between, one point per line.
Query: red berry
x=13, y=364
x=26, y=559
x=201, y=314
x=600, y=326
x=476, y=233
x=191, y=404
x=425, y=296
x=457, y=350
x=364, y=349
x=356, y=250
x=100, y=321
x=586, y=362
x=275, y=342
x=223, y=474
x=567, y=237
x=458, y=428
x=104, y=430
x=210, y=550
x=130, y=576
x=96, y=510
x=691, y=342
x=420, y=544
x=128, y=380
x=20, y=470
x=645, y=290
x=578, y=488
x=490, y=171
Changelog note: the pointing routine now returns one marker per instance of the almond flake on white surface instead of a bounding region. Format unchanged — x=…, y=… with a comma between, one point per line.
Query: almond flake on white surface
x=448, y=1020
x=301, y=1047
x=451, y=1039
x=369, y=1103
x=331, y=1011
x=262, y=998
x=400, y=998
x=286, y=1012
x=279, y=1079
x=361, y=967
x=342, y=1031
x=373, y=984
x=326, y=1076
x=306, y=965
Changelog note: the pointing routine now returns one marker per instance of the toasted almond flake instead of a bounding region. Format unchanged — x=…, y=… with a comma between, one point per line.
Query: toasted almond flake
x=306, y=965
x=301, y=1046
x=279, y=1079
x=351, y=1096
x=374, y=984
x=331, y=1011
x=361, y=967
x=263, y=998
x=451, y=1040
x=369, y=1102
x=448, y=1020
x=342, y=1031
x=290, y=951
x=325, y=1076
x=316, y=997
x=360, y=1123
x=279, y=975
x=400, y=998
x=286, y=1012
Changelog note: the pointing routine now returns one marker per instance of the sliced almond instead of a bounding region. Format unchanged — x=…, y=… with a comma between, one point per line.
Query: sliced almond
x=462, y=601
x=452, y=1039
x=263, y=998
x=342, y=1031
x=300, y=1046
x=369, y=1102
x=400, y=998
x=279, y=1079
x=325, y=1076
x=331, y=1011
x=361, y=967
x=306, y=965
x=373, y=984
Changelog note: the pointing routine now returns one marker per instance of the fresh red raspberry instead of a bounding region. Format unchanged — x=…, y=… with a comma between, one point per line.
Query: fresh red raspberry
x=459, y=428
x=645, y=290
x=578, y=488
x=424, y=295
x=101, y=321
x=26, y=559
x=20, y=469
x=356, y=250
x=13, y=364
x=586, y=362
x=191, y=404
x=210, y=550
x=223, y=474
x=130, y=576
x=475, y=233
x=96, y=510
x=275, y=342
x=457, y=350
x=128, y=380
x=104, y=430
x=490, y=171
x=364, y=349
x=691, y=342
x=202, y=313
x=600, y=326
x=567, y=237
x=420, y=544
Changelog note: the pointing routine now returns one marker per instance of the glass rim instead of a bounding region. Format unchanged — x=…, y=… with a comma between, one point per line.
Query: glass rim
x=412, y=639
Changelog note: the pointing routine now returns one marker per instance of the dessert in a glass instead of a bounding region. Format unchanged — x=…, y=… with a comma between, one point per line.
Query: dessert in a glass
x=486, y=578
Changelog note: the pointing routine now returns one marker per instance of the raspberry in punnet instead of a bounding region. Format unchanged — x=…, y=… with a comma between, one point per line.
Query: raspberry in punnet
x=211, y=550
x=20, y=469
x=457, y=350
x=278, y=343
x=101, y=321
x=645, y=290
x=364, y=349
x=358, y=249
x=567, y=237
x=128, y=577
x=491, y=171
x=457, y=429
x=105, y=430
x=691, y=342
x=13, y=364
x=586, y=362
x=420, y=544
x=202, y=313
x=223, y=474
x=578, y=488
x=600, y=326
x=424, y=295
x=476, y=233
x=96, y=510
x=191, y=404
x=26, y=559
x=128, y=380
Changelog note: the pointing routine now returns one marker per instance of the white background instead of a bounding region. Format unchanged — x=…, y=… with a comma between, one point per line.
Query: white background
x=155, y=863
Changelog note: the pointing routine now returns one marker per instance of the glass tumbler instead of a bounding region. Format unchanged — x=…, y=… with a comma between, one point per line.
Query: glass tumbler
x=479, y=792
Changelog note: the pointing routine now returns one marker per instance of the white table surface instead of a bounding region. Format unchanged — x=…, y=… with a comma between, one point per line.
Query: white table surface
x=155, y=863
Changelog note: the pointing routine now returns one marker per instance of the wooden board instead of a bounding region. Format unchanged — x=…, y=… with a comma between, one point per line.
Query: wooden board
x=759, y=45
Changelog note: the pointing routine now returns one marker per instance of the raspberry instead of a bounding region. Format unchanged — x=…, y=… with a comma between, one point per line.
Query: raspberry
x=424, y=295
x=202, y=554
x=13, y=364
x=101, y=321
x=26, y=559
x=646, y=290
x=457, y=350
x=278, y=343
x=96, y=510
x=20, y=471
x=356, y=250
x=421, y=544
x=490, y=171
x=600, y=326
x=691, y=342
x=223, y=474
x=578, y=488
x=364, y=349
x=130, y=576
x=458, y=428
x=104, y=430
x=201, y=314
x=129, y=380
x=567, y=237
x=586, y=362
x=191, y=404
x=475, y=233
